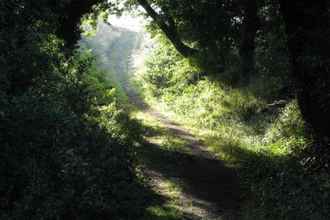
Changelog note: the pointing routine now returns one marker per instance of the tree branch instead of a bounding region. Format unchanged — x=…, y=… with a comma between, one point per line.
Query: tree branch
x=169, y=30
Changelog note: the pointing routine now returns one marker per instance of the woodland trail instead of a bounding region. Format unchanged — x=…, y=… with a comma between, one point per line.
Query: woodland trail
x=208, y=189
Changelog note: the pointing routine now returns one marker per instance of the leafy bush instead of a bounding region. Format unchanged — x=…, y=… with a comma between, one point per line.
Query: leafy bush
x=188, y=92
x=66, y=141
x=61, y=159
x=166, y=71
x=288, y=126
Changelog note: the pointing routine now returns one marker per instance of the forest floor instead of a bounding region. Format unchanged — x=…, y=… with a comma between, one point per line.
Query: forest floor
x=189, y=180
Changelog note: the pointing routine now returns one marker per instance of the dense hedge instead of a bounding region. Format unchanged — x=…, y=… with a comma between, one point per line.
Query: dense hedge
x=66, y=142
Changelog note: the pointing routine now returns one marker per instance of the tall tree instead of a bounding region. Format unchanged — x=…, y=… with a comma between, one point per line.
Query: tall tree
x=73, y=11
x=308, y=30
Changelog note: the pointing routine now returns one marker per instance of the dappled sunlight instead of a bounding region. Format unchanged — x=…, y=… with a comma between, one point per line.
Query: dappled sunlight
x=207, y=187
x=164, y=110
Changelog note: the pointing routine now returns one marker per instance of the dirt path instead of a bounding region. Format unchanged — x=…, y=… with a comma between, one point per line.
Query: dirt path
x=208, y=189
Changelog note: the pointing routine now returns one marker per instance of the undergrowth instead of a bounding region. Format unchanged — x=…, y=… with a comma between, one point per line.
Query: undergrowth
x=67, y=142
x=266, y=144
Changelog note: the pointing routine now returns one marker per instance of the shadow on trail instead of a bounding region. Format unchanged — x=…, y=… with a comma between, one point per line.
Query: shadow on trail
x=200, y=175
x=206, y=179
x=135, y=98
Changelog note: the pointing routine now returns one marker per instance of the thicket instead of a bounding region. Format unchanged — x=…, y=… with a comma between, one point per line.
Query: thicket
x=257, y=128
x=66, y=141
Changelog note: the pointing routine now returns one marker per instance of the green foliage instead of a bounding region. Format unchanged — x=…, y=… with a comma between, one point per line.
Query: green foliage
x=206, y=25
x=175, y=81
x=266, y=146
x=166, y=69
x=73, y=156
x=66, y=141
x=275, y=173
x=288, y=125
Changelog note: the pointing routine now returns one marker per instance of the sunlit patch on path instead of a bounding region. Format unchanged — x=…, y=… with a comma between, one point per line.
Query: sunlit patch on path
x=179, y=168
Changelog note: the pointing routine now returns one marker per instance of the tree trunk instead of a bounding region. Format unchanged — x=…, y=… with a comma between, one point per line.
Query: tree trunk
x=308, y=30
x=247, y=46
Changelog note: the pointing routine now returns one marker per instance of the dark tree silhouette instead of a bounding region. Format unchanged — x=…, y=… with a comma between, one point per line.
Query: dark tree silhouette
x=308, y=30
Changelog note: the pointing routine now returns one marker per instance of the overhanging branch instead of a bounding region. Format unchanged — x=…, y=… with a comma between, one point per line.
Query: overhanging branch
x=169, y=29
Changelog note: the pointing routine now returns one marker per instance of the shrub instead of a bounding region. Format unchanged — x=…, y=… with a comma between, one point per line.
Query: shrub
x=65, y=149
x=288, y=127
